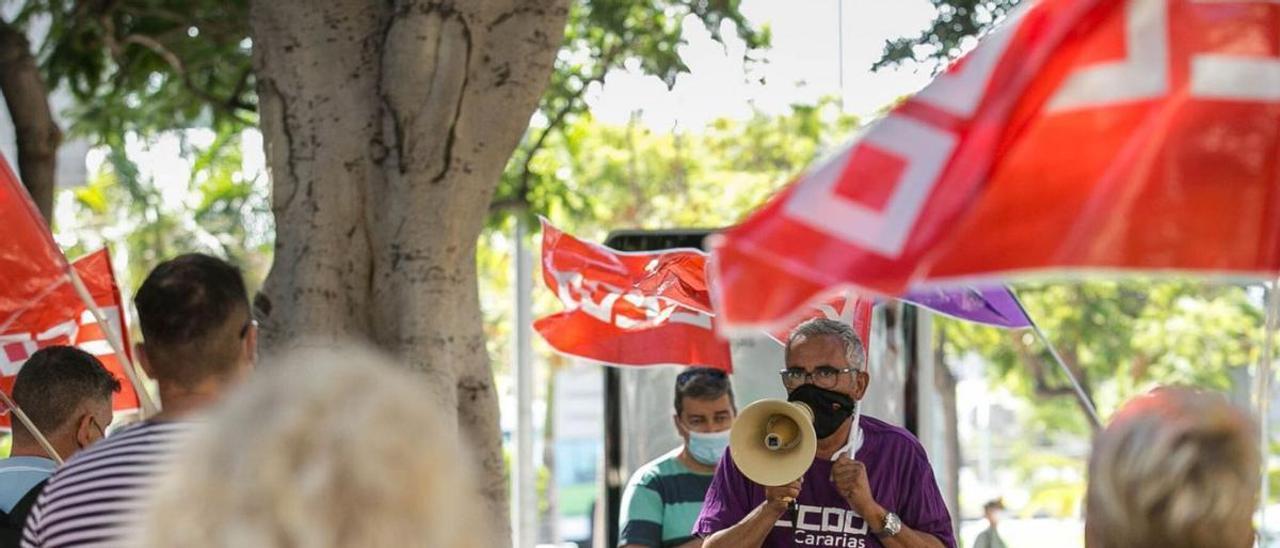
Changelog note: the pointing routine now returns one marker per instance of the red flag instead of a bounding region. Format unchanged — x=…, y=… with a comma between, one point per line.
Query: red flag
x=60, y=317
x=629, y=308
x=1098, y=134
x=31, y=264
x=39, y=306
x=845, y=306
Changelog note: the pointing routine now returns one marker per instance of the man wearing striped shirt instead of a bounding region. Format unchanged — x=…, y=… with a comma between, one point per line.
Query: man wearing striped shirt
x=200, y=341
x=663, y=498
x=66, y=392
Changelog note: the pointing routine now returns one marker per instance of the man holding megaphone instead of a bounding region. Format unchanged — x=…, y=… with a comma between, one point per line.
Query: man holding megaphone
x=812, y=471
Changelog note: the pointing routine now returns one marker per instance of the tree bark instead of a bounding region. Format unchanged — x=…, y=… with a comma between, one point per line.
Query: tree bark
x=387, y=125
x=35, y=130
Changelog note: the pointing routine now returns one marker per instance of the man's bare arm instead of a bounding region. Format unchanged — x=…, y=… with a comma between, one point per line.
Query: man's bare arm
x=752, y=530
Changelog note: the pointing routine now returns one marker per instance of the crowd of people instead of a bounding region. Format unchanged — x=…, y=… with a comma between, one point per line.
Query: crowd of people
x=326, y=448
x=338, y=447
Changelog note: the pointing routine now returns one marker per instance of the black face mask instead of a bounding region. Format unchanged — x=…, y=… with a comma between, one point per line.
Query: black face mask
x=830, y=409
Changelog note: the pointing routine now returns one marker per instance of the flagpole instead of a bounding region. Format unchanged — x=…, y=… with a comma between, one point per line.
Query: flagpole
x=117, y=344
x=1264, y=398
x=31, y=427
x=1053, y=351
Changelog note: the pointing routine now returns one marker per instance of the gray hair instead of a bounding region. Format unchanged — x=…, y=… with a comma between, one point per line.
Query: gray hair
x=327, y=448
x=1176, y=468
x=854, y=351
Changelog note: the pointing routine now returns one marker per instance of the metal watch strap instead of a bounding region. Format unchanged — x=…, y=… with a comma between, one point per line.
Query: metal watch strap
x=892, y=525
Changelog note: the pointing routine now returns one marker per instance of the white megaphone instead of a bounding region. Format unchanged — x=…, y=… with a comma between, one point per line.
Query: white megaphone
x=773, y=442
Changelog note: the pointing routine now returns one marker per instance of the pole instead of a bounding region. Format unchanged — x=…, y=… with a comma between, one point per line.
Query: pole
x=31, y=427
x=117, y=343
x=526, y=508
x=1075, y=383
x=1264, y=400
x=840, y=47
x=1053, y=351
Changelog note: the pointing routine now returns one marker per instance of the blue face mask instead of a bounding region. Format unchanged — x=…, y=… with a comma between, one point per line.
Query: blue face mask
x=708, y=448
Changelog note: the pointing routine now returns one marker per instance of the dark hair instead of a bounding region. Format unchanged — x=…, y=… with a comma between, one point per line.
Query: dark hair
x=55, y=381
x=997, y=504
x=703, y=383
x=194, y=310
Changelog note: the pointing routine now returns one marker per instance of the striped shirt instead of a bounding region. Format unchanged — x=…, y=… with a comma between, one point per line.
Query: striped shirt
x=661, y=503
x=93, y=498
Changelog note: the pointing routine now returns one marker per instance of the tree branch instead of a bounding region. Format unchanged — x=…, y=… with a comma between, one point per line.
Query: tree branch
x=231, y=105
x=520, y=198
x=36, y=132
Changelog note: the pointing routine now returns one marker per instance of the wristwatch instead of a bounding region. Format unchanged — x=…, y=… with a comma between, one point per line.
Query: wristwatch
x=891, y=526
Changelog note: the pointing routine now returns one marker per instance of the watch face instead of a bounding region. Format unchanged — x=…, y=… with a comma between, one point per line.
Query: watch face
x=892, y=524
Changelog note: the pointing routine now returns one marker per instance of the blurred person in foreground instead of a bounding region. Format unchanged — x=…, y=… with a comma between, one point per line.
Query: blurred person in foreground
x=1176, y=468
x=664, y=497
x=327, y=449
x=990, y=538
x=66, y=392
x=200, y=340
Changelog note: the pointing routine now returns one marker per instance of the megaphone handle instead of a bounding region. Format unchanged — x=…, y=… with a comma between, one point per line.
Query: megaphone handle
x=793, y=509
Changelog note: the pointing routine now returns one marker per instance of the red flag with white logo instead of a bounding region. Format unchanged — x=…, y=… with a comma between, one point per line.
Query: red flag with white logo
x=629, y=308
x=650, y=308
x=59, y=317
x=1082, y=134
x=845, y=306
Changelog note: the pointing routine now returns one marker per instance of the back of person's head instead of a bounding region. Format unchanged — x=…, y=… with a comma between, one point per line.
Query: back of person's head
x=66, y=392
x=327, y=449
x=195, y=318
x=1176, y=468
x=702, y=383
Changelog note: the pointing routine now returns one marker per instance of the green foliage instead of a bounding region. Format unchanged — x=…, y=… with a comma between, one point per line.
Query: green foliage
x=604, y=35
x=148, y=65
x=1122, y=338
x=952, y=29
x=213, y=208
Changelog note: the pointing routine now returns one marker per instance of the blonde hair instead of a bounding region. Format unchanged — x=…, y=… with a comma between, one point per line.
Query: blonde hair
x=327, y=449
x=1176, y=468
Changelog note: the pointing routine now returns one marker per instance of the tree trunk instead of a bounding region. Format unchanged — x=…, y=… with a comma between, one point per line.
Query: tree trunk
x=387, y=125
x=945, y=383
x=35, y=130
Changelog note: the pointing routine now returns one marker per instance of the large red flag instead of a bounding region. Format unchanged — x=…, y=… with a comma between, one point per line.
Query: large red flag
x=1094, y=134
x=60, y=317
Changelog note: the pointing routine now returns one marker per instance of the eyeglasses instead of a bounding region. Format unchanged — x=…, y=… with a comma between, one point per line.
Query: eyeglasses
x=102, y=430
x=247, y=324
x=689, y=374
x=822, y=377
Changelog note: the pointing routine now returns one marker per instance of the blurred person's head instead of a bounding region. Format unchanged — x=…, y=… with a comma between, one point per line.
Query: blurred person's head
x=326, y=449
x=825, y=368
x=704, y=412
x=993, y=510
x=66, y=392
x=1176, y=468
x=199, y=335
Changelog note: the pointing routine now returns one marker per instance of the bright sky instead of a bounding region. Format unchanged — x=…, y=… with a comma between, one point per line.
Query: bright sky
x=802, y=65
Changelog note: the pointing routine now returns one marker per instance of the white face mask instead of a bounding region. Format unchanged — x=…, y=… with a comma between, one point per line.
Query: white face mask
x=709, y=447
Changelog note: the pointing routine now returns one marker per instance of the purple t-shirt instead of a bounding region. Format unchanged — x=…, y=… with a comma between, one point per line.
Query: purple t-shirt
x=901, y=481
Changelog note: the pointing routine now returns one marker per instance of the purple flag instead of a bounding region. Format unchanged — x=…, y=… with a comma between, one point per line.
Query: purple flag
x=996, y=306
